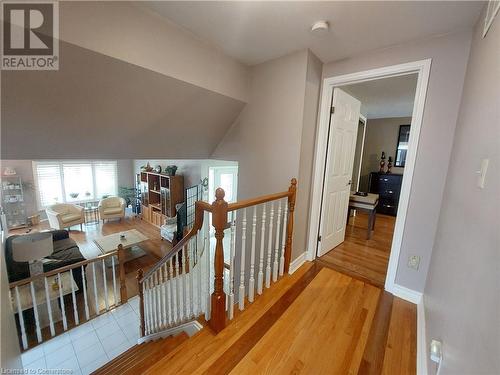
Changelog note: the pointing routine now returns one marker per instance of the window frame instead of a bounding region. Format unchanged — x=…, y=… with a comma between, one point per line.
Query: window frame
x=61, y=164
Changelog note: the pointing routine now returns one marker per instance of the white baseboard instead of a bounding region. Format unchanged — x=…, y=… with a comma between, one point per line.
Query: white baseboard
x=402, y=292
x=190, y=328
x=421, y=340
x=299, y=261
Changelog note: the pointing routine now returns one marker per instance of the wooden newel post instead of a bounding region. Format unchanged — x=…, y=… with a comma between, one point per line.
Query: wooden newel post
x=289, y=230
x=141, y=301
x=121, y=266
x=219, y=220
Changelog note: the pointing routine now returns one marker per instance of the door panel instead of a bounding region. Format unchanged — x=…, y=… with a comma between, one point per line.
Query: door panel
x=338, y=172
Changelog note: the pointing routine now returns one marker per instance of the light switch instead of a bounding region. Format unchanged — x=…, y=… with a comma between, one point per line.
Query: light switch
x=482, y=173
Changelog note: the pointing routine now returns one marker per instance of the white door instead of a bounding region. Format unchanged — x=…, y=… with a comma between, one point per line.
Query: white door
x=338, y=172
x=226, y=178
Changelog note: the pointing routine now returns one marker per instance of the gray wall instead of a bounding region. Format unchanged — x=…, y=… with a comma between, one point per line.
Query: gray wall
x=449, y=55
x=462, y=294
x=273, y=138
x=381, y=135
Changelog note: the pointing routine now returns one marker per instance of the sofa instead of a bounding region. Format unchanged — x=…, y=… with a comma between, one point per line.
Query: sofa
x=111, y=208
x=65, y=252
x=65, y=215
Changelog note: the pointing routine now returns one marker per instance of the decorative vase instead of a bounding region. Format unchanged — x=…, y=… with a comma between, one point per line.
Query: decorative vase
x=382, y=162
x=171, y=169
x=389, y=164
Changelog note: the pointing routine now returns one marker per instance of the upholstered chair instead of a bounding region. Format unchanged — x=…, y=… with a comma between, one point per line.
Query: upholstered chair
x=65, y=215
x=112, y=208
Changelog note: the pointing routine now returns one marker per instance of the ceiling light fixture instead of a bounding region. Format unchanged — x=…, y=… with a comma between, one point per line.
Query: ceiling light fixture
x=320, y=26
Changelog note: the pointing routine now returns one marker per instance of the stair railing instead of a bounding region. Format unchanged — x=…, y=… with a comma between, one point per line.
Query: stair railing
x=177, y=288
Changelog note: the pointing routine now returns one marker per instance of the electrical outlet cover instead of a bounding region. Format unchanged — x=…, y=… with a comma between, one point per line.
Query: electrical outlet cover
x=414, y=262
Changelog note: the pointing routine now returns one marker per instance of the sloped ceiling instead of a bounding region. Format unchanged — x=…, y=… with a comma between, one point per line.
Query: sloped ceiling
x=96, y=106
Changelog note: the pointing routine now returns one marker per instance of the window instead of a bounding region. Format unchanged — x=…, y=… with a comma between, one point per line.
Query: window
x=74, y=181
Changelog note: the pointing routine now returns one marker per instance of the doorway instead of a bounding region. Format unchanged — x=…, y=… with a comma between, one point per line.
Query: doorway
x=334, y=168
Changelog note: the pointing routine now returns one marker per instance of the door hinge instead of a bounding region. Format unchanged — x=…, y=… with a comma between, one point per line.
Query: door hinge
x=332, y=110
x=319, y=238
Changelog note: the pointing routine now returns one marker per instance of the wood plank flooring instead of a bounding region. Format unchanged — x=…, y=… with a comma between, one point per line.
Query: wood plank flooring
x=358, y=257
x=316, y=321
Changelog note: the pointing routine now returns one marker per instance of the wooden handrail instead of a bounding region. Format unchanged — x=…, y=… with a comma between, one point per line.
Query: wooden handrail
x=254, y=201
x=62, y=269
x=200, y=207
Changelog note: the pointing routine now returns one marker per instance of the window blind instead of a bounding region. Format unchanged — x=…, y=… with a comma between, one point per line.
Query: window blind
x=49, y=184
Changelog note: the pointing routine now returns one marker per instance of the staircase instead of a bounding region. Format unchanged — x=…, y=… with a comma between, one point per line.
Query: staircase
x=140, y=357
x=194, y=281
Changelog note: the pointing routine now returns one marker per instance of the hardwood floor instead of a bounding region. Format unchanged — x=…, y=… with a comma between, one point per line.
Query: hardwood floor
x=358, y=257
x=316, y=321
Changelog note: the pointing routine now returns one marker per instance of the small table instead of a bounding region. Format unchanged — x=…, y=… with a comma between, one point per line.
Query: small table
x=368, y=204
x=91, y=215
x=110, y=243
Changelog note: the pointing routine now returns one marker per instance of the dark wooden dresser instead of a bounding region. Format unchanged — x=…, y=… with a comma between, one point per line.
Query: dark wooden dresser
x=388, y=187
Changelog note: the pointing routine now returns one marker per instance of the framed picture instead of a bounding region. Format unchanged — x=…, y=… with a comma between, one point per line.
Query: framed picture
x=402, y=146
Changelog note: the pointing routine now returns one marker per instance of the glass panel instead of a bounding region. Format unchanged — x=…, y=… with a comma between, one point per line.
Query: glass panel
x=226, y=183
x=402, y=146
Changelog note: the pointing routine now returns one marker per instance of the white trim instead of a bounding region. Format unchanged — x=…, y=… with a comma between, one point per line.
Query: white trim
x=422, y=68
x=191, y=328
x=299, y=261
x=409, y=295
x=421, y=340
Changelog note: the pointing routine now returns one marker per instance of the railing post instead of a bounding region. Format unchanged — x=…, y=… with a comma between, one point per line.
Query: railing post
x=141, y=301
x=121, y=265
x=218, y=301
x=289, y=231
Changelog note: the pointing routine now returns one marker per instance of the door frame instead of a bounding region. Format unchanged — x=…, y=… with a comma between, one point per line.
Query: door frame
x=422, y=69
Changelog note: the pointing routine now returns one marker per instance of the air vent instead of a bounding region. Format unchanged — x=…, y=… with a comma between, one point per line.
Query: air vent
x=491, y=12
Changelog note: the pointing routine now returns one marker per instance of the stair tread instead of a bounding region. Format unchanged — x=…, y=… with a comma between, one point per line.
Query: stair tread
x=142, y=355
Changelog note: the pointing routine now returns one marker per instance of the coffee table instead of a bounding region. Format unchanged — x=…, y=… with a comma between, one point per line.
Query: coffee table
x=110, y=242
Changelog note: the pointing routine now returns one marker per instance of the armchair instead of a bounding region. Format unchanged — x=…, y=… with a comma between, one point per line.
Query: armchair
x=112, y=208
x=65, y=215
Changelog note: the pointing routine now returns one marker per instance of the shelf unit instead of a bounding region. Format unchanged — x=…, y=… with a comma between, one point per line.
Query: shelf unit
x=159, y=195
x=13, y=202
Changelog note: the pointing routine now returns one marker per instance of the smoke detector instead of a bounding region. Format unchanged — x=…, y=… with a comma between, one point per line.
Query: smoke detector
x=320, y=26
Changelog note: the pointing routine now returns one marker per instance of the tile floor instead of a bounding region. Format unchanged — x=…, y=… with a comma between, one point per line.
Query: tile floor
x=89, y=346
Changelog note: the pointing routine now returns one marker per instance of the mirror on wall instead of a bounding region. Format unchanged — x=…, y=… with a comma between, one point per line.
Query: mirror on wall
x=402, y=146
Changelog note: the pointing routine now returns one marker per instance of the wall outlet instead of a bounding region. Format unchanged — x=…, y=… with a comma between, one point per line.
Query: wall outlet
x=414, y=262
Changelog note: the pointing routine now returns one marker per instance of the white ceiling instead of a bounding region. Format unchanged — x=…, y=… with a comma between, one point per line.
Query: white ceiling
x=384, y=98
x=255, y=31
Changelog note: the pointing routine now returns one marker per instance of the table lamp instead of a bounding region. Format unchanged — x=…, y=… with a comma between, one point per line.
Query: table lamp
x=32, y=248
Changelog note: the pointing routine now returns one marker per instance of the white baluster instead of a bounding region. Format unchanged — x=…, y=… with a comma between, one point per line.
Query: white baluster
x=147, y=329
x=106, y=302
x=190, y=260
x=159, y=289
x=73, y=297
x=172, y=297
x=164, y=294
x=260, y=275
x=231, y=270
x=150, y=304
x=35, y=312
x=49, y=308
x=180, y=291
x=241, y=293
x=115, y=296
x=96, y=299
x=251, y=281
x=61, y=300
x=277, y=245
x=84, y=282
x=283, y=240
x=269, y=247
x=207, y=279
x=21, y=319
x=199, y=267
x=154, y=303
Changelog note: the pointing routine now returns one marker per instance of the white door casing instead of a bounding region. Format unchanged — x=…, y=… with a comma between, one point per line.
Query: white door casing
x=338, y=172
